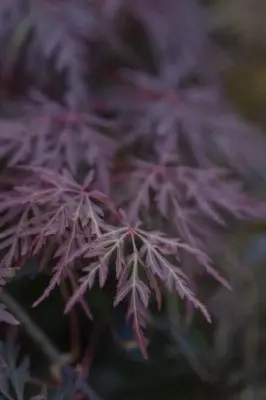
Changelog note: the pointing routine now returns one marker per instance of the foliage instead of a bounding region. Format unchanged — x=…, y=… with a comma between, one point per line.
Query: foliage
x=15, y=378
x=115, y=156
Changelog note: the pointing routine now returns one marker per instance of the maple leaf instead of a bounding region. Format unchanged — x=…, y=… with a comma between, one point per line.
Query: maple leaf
x=55, y=208
x=149, y=255
x=210, y=191
x=14, y=374
x=49, y=136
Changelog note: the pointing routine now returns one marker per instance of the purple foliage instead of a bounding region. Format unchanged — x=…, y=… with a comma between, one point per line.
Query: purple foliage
x=108, y=156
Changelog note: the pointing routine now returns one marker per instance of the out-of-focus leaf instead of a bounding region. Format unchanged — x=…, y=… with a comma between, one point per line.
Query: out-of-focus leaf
x=255, y=250
x=5, y=316
x=13, y=373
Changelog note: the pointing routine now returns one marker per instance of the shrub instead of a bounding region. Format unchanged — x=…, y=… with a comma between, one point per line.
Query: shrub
x=118, y=149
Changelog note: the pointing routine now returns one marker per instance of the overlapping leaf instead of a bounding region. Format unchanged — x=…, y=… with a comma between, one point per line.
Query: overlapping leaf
x=72, y=158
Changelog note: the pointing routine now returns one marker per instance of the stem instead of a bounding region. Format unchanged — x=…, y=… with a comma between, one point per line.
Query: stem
x=47, y=347
x=49, y=350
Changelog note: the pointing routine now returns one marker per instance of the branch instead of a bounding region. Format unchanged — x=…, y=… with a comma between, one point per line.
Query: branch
x=47, y=347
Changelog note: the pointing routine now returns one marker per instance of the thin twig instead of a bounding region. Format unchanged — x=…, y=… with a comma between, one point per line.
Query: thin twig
x=47, y=347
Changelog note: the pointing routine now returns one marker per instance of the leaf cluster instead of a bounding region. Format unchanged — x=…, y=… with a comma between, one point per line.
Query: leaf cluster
x=118, y=150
